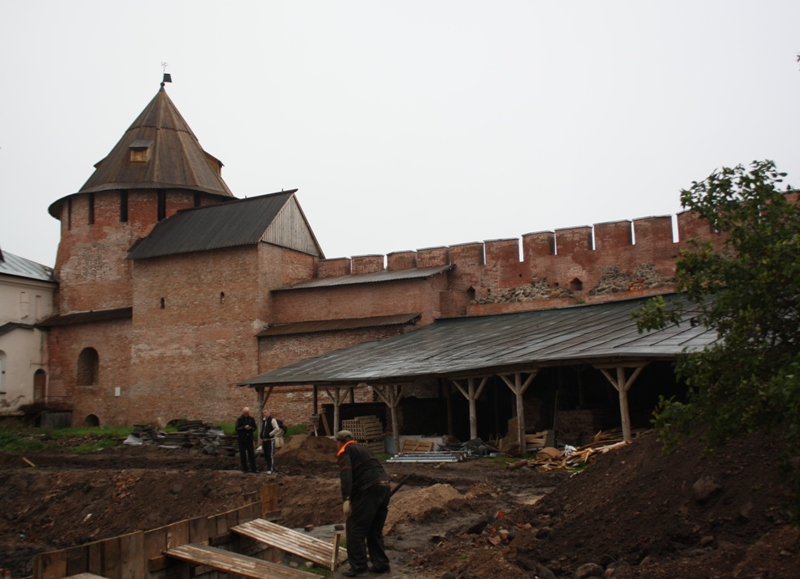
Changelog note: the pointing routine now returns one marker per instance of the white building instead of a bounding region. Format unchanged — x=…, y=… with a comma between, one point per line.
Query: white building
x=26, y=297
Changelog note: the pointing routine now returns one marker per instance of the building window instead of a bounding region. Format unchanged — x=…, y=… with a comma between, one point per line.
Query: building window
x=162, y=303
x=162, y=204
x=91, y=208
x=123, y=206
x=88, y=367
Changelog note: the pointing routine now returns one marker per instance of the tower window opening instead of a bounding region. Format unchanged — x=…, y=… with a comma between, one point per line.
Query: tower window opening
x=162, y=303
x=222, y=297
x=123, y=206
x=162, y=204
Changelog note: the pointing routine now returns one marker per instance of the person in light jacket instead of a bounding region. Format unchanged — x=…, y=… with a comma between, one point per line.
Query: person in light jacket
x=269, y=430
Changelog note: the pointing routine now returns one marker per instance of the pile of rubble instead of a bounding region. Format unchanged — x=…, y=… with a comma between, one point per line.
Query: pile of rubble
x=194, y=436
x=551, y=458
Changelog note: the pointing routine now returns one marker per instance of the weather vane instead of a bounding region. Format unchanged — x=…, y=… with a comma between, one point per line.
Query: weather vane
x=167, y=76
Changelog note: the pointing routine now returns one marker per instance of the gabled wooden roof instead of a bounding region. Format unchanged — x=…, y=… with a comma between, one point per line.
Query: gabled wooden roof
x=170, y=157
x=275, y=218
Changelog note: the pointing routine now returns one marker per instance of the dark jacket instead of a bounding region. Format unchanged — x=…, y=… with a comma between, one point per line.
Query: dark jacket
x=359, y=470
x=241, y=431
x=268, y=424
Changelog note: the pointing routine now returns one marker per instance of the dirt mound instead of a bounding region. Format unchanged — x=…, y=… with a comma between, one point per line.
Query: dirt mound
x=418, y=502
x=302, y=448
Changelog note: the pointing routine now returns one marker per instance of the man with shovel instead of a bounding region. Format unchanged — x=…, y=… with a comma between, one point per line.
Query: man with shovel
x=365, y=492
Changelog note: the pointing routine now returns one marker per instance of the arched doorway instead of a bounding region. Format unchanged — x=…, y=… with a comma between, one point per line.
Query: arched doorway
x=88, y=367
x=91, y=420
x=39, y=386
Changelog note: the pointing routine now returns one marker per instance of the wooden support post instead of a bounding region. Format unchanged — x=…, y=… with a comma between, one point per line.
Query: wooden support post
x=622, y=385
x=471, y=393
x=263, y=397
x=391, y=394
x=337, y=400
x=316, y=399
x=449, y=394
x=518, y=387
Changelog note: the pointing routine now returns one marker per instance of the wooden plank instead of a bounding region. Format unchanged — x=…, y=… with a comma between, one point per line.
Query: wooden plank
x=269, y=499
x=177, y=534
x=132, y=564
x=112, y=558
x=325, y=424
x=77, y=560
x=85, y=576
x=50, y=565
x=220, y=524
x=290, y=541
x=155, y=542
x=95, y=558
x=157, y=563
x=234, y=563
x=198, y=530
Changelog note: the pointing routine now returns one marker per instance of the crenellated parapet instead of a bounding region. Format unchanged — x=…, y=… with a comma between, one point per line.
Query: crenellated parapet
x=603, y=262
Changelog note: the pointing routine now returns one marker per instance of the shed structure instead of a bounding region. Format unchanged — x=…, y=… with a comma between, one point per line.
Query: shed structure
x=515, y=347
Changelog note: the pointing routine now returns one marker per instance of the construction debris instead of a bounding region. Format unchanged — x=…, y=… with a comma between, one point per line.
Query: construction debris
x=195, y=436
x=551, y=458
x=437, y=456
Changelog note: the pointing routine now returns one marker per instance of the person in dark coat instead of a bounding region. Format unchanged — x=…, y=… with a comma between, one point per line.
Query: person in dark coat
x=365, y=492
x=246, y=430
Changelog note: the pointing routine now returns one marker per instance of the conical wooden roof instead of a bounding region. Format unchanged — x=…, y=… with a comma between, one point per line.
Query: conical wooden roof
x=174, y=157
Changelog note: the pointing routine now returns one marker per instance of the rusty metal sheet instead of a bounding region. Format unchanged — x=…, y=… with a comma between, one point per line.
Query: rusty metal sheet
x=343, y=324
x=378, y=276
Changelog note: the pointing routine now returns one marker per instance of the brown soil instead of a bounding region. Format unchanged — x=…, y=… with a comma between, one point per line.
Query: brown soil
x=633, y=513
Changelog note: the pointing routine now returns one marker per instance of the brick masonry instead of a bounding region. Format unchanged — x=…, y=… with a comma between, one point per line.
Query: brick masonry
x=196, y=316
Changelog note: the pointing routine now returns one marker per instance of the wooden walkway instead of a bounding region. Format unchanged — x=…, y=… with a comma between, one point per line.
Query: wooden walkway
x=235, y=564
x=305, y=546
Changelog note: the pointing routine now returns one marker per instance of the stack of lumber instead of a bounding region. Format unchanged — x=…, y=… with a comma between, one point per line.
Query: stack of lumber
x=550, y=458
x=540, y=439
x=367, y=430
x=194, y=436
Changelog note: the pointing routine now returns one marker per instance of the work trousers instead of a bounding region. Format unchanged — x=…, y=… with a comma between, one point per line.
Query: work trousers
x=246, y=453
x=365, y=528
x=268, y=446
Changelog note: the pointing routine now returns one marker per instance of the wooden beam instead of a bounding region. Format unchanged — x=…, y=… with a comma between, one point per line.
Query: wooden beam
x=622, y=384
x=337, y=400
x=518, y=387
x=471, y=394
x=391, y=394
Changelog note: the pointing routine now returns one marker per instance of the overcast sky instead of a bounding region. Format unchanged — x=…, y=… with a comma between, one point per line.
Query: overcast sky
x=405, y=124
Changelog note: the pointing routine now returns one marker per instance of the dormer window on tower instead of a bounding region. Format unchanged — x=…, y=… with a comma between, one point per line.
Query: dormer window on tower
x=140, y=150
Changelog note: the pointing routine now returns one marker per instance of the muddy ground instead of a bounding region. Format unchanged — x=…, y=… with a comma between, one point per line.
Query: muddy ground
x=633, y=513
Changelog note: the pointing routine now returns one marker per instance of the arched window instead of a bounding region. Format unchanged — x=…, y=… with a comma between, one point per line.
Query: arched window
x=39, y=385
x=88, y=367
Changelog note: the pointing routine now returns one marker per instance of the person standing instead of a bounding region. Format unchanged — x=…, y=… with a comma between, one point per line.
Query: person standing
x=246, y=430
x=269, y=430
x=365, y=492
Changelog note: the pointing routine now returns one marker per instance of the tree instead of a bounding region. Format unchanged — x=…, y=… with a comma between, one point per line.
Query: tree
x=747, y=288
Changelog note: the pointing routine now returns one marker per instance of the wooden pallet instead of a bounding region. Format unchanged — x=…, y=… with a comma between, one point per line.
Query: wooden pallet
x=305, y=546
x=235, y=564
x=364, y=427
x=374, y=446
x=416, y=446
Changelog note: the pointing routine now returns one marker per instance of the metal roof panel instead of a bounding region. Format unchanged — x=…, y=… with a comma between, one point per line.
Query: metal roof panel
x=461, y=345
